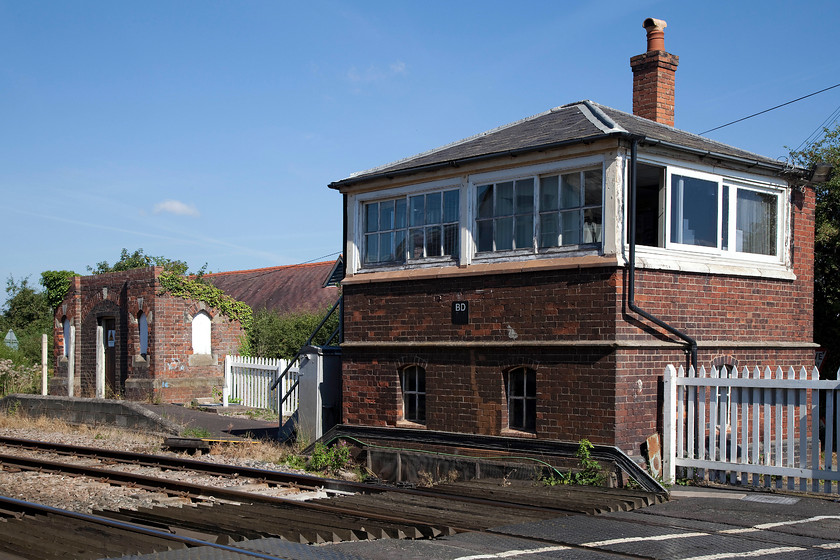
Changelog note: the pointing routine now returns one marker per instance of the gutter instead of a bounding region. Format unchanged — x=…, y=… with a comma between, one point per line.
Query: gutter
x=631, y=281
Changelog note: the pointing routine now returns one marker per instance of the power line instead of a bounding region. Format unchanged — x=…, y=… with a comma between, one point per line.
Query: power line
x=768, y=110
x=818, y=132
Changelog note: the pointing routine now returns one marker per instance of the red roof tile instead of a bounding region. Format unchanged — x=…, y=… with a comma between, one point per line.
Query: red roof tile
x=284, y=289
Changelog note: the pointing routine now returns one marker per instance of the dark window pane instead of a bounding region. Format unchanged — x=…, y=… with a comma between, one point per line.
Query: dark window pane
x=418, y=213
x=525, y=231
x=433, y=209
x=450, y=240
x=592, y=225
x=517, y=383
x=570, y=190
x=386, y=248
x=433, y=241
x=411, y=412
x=371, y=248
x=530, y=424
x=399, y=214
x=504, y=234
x=530, y=383
x=372, y=217
x=415, y=251
x=484, y=201
x=451, y=206
x=592, y=187
x=421, y=408
x=504, y=199
x=570, y=227
x=421, y=380
x=724, y=218
x=517, y=410
x=485, y=235
x=549, y=230
x=694, y=211
x=525, y=196
x=548, y=193
x=399, y=245
x=386, y=215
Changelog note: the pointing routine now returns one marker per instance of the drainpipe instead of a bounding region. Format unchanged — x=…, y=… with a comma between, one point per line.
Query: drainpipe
x=631, y=282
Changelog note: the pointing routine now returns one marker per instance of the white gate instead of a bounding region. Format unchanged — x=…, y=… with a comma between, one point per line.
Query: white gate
x=248, y=382
x=751, y=425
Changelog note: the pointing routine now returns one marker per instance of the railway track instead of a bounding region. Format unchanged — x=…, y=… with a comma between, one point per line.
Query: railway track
x=225, y=516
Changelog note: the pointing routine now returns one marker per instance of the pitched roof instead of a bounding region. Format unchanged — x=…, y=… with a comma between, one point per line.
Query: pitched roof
x=283, y=289
x=583, y=121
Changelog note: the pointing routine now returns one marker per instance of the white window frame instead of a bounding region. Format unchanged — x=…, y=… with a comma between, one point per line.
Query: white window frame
x=537, y=172
x=733, y=184
x=708, y=260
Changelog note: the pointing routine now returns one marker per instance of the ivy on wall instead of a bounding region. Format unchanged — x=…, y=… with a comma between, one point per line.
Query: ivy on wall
x=193, y=288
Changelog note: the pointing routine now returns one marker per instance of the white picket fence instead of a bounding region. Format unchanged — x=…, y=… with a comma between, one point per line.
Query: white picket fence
x=248, y=382
x=767, y=427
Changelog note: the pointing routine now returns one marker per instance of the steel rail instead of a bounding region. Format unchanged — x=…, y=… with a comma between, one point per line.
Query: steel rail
x=263, y=475
x=198, y=491
x=40, y=509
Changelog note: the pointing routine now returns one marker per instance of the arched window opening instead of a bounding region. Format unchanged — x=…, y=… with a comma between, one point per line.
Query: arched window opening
x=143, y=326
x=522, y=399
x=201, y=333
x=66, y=336
x=414, y=394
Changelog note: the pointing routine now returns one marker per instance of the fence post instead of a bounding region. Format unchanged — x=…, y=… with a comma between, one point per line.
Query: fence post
x=669, y=453
x=44, y=364
x=226, y=386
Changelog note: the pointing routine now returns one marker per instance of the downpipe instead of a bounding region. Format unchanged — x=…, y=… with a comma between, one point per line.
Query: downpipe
x=631, y=281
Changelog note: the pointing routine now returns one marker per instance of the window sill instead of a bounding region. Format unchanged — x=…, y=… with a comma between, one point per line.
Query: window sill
x=482, y=268
x=410, y=424
x=656, y=258
x=511, y=432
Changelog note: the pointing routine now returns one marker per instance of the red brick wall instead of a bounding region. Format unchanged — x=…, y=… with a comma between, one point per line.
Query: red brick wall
x=169, y=371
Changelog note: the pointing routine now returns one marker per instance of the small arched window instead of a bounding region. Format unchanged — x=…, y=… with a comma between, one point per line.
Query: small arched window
x=522, y=399
x=414, y=394
x=66, y=334
x=143, y=327
x=201, y=333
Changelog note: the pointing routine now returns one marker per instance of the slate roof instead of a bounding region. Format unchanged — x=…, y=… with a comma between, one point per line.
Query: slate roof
x=283, y=289
x=583, y=121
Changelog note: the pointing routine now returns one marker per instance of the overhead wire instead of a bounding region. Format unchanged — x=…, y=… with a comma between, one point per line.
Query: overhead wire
x=768, y=110
x=814, y=137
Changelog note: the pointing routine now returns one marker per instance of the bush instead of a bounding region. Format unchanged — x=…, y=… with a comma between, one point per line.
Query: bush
x=275, y=336
x=18, y=378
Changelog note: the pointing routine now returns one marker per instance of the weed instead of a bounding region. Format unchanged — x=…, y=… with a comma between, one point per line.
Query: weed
x=589, y=471
x=331, y=459
x=199, y=433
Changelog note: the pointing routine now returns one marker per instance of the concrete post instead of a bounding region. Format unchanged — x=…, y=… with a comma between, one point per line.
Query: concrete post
x=71, y=363
x=44, y=364
x=100, y=362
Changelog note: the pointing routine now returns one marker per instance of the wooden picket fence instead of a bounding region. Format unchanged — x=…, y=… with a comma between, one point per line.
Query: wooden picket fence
x=760, y=425
x=248, y=382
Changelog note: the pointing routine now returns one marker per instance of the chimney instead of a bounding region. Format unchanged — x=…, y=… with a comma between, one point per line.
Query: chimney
x=653, y=76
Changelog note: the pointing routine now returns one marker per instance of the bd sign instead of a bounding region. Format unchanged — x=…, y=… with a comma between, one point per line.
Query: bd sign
x=460, y=313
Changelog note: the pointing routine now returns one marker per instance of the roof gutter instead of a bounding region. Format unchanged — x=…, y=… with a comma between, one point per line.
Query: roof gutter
x=631, y=281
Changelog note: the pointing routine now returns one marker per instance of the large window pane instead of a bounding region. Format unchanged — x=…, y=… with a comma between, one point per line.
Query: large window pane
x=525, y=196
x=504, y=199
x=694, y=211
x=755, y=224
x=570, y=190
x=485, y=235
x=433, y=241
x=372, y=217
x=415, y=250
x=525, y=231
x=592, y=187
x=371, y=248
x=570, y=228
x=433, y=208
x=504, y=234
x=386, y=215
x=484, y=196
x=418, y=214
x=386, y=252
x=399, y=214
x=451, y=206
x=549, y=230
x=592, y=225
x=548, y=193
x=450, y=239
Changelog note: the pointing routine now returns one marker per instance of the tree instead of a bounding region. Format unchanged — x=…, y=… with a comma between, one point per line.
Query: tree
x=138, y=259
x=826, y=246
x=56, y=283
x=27, y=313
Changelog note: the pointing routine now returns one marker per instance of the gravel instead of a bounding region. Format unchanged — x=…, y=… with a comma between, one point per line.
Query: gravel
x=86, y=495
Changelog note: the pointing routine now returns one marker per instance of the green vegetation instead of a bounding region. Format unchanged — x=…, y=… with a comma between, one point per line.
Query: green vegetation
x=589, y=472
x=138, y=259
x=198, y=433
x=196, y=288
x=329, y=459
x=826, y=246
x=274, y=336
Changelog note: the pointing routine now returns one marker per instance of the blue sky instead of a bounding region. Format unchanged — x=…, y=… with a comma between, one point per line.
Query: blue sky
x=208, y=131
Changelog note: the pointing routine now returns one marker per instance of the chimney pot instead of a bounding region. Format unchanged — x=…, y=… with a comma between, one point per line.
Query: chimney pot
x=655, y=34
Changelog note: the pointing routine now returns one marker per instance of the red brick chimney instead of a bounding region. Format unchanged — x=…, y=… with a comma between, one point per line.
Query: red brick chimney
x=653, y=76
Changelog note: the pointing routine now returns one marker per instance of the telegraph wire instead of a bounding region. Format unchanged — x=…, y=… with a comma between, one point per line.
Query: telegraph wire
x=768, y=110
x=819, y=131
